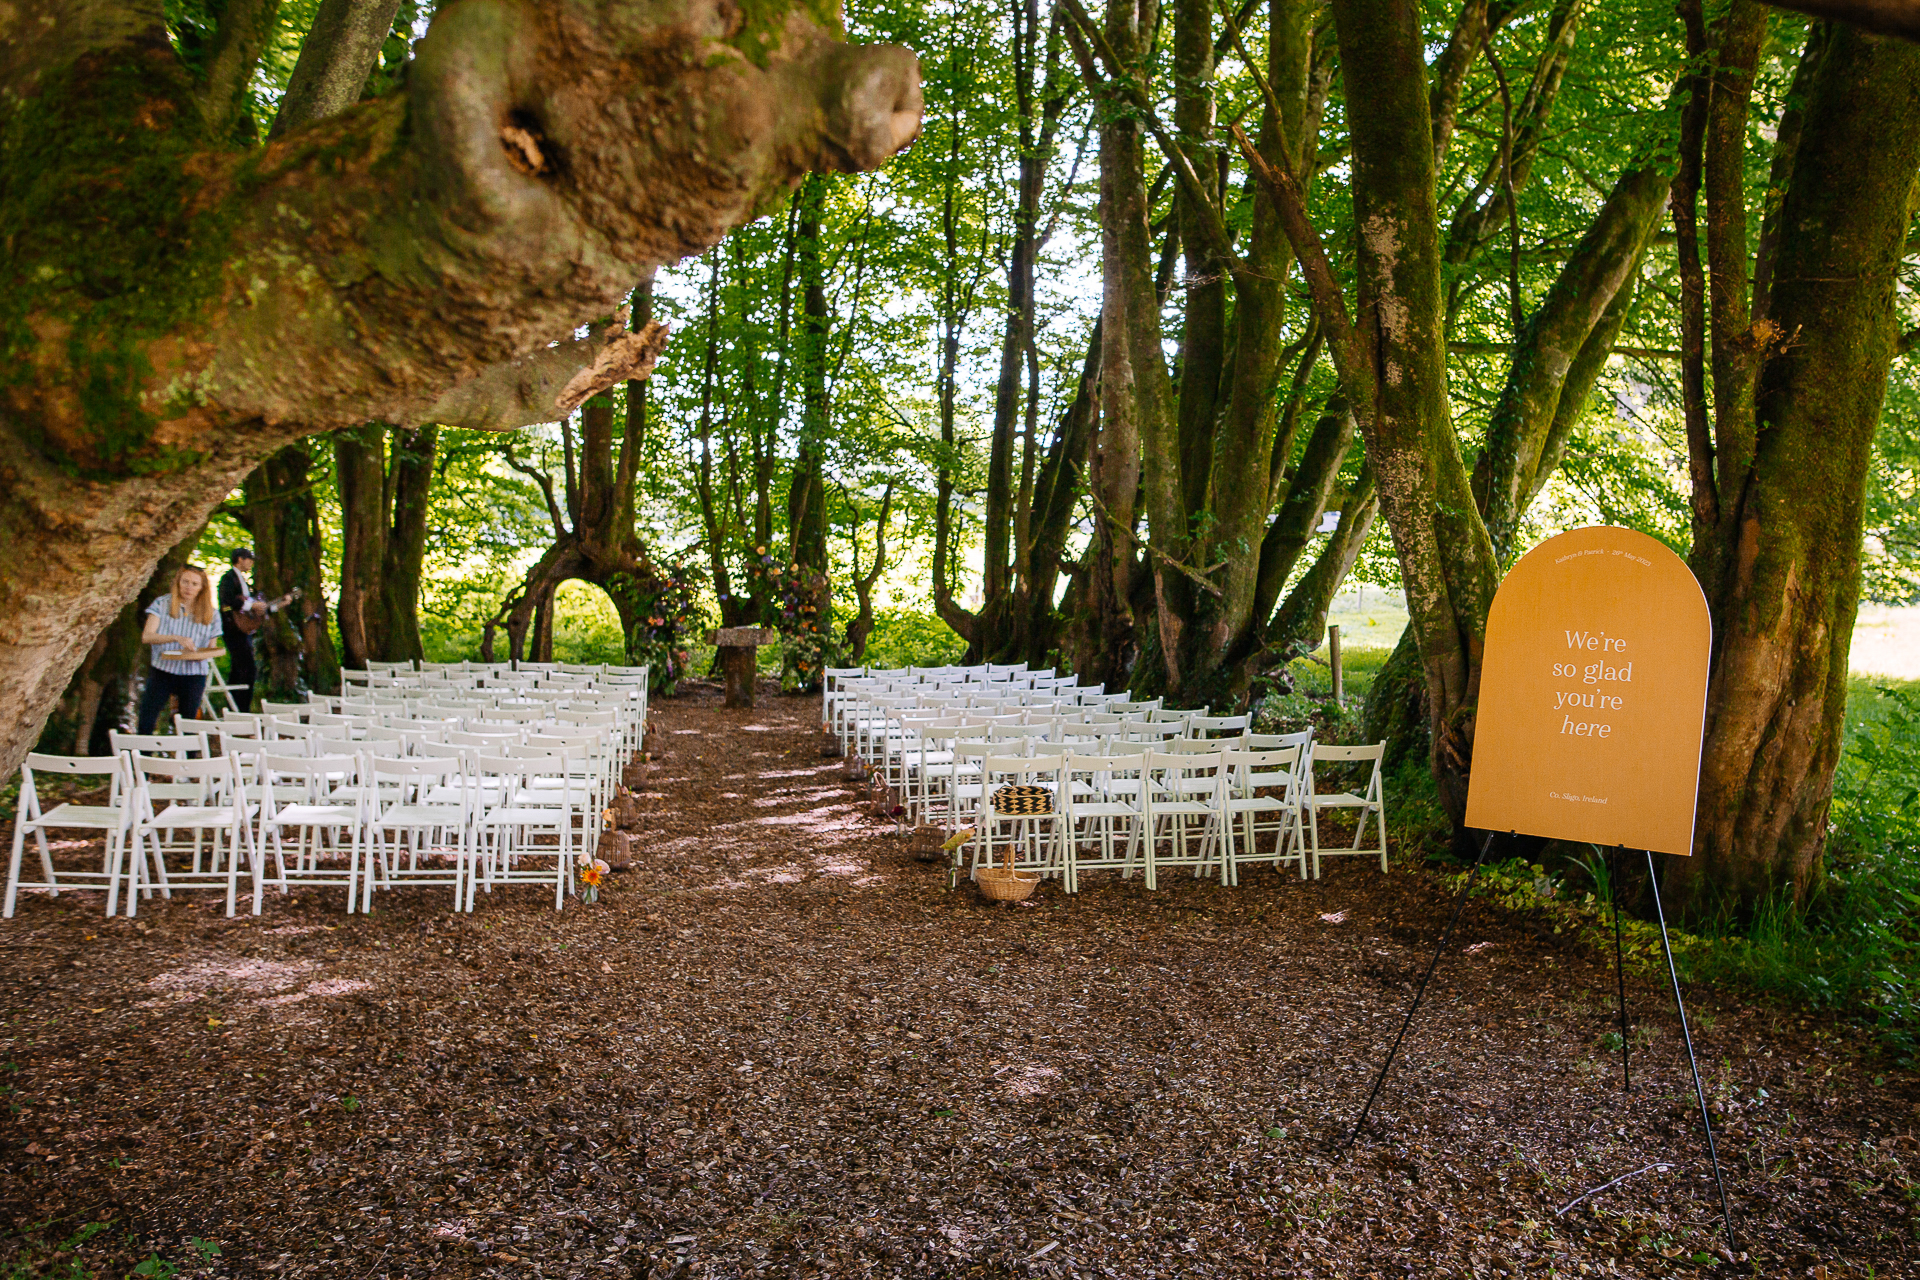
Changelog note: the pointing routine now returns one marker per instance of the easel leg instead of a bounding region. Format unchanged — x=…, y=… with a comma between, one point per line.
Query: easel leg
x=1619, y=968
x=1699, y=1092
x=1459, y=905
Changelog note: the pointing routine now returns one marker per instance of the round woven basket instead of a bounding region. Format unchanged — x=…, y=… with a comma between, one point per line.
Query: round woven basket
x=1005, y=885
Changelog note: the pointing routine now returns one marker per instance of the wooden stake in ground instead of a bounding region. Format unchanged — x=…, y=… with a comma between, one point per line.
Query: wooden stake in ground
x=737, y=645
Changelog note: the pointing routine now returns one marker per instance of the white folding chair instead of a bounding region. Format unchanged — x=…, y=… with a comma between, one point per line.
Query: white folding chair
x=527, y=836
x=331, y=804
x=1370, y=800
x=999, y=810
x=218, y=813
x=1263, y=795
x=1108, y=795
x=1183, y=790
x=113, y=818
x=418, y=824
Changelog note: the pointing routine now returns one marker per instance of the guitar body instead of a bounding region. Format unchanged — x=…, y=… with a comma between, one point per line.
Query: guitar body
x=247, y=622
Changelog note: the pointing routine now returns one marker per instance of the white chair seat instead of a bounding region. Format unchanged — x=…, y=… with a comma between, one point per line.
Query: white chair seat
x=522, y=816
x=315, y=815
x=106, y=817
x=176, y=816
x=421, y=815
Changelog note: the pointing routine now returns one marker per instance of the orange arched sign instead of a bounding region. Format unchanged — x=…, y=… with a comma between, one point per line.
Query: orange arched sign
x=1592, y=695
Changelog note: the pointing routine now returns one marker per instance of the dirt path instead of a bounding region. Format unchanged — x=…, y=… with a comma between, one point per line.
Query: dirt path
x=779, y=1047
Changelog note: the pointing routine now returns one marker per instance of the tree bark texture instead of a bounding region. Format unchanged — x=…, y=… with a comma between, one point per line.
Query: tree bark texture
x=1447, y=561
x=1778, y=533
x=173, y=310
x=384, y=475
x=283, y=515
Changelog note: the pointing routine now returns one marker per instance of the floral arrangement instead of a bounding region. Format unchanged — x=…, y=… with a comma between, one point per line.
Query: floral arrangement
x=591, y=877
x=667, y=611
x=802, y=608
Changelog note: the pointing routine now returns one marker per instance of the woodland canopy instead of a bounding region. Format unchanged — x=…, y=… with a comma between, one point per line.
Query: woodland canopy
x=1163, y=325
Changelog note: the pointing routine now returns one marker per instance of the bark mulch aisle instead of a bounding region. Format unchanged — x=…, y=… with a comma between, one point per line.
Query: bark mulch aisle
x=780, y=1047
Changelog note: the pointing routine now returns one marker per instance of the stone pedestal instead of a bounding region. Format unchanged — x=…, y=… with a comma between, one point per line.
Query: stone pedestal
x=737, y=645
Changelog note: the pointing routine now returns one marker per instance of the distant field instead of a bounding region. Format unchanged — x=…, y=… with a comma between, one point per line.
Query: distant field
x=1368, y=618
x=1886, y=640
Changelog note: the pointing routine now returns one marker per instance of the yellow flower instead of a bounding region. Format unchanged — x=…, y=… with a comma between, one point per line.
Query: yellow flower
x=590, y=876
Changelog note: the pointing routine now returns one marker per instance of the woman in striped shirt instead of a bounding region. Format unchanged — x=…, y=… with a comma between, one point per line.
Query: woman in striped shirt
x=184, y=633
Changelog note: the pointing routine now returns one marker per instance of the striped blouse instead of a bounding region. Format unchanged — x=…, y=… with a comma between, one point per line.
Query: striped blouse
x=203, y=635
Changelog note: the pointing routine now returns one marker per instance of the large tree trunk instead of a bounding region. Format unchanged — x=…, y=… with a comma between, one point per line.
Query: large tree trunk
x=174, y=311
x=1107, y=644
x=1447, y=561
x=1200, y=447
x=1778, y=530
x=384, y=476
x=283, y=515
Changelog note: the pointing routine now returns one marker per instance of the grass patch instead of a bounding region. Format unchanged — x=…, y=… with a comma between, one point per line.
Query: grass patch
x=1853, y=947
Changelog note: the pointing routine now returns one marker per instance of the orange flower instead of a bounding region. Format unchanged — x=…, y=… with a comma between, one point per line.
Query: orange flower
x=590, y=876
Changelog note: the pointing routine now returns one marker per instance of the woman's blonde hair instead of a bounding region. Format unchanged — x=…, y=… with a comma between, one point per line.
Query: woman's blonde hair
x=202, y=603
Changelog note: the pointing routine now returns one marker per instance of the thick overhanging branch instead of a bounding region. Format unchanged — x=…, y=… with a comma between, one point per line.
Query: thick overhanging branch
x=360, y=266
x=523, y=392
x=172, y=309
x=1899, y=18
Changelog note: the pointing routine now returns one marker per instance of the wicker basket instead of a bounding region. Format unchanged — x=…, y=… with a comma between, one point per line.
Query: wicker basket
x=1004, y=884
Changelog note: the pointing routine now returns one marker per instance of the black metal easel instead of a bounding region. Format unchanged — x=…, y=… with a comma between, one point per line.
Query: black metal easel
x=1620, y=980
x=1699, y=1093
x=1619, y=967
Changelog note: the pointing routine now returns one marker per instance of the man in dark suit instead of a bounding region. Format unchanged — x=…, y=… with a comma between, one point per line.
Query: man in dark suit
x=236, y=597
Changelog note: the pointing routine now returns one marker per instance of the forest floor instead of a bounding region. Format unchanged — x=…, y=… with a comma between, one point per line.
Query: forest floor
x=779, y=1046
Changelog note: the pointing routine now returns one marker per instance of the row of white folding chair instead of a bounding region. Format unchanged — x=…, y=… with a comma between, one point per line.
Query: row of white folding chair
x=1297, y=818
x=202, y=805
x=847, y=699
x=874, y=730
x=851, y=709
x=152, y=800
x=462, y=816
x=944, y=781
x=927, y=743
x=578, y=712
x=1232, y=797
x=939, y=783
x=598, y=741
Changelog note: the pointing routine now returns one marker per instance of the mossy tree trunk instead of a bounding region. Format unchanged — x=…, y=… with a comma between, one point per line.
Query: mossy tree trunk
x=1801, y=343
x=282, y=514
x=174, y=308
x=384, y=475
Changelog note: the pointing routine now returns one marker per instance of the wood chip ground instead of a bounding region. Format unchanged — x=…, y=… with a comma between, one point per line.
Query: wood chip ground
x=778, y=1046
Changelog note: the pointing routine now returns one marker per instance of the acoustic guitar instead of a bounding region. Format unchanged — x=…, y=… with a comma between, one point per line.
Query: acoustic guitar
x=246, y=621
